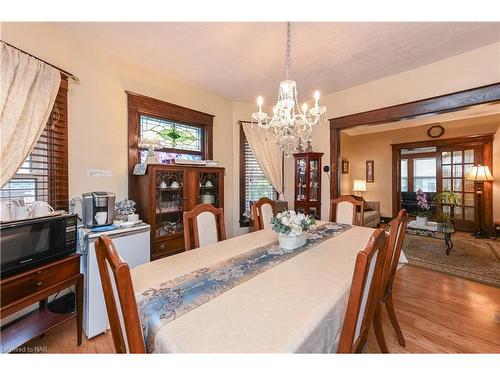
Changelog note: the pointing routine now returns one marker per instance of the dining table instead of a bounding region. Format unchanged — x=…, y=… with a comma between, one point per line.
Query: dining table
x=293, y=305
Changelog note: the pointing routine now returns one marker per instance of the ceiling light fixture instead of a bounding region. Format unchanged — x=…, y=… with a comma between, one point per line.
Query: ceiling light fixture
x=290, y=125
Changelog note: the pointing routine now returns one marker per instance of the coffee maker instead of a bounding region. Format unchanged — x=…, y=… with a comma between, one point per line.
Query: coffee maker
x=98, y=208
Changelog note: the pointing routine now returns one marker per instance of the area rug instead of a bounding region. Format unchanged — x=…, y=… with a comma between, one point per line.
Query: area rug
x=473, y=259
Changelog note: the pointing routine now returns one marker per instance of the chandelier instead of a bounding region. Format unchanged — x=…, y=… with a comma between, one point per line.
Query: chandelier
x=289, y=126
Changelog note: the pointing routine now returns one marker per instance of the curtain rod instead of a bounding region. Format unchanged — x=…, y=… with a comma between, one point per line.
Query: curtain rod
x=66, y=73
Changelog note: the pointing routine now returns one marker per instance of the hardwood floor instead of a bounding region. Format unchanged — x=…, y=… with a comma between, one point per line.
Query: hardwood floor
x=437, y=313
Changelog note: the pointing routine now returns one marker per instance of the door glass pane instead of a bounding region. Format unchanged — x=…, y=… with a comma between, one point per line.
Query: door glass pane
x=424, y=174
x=457, y=170
x=446, y=209
x=446, y=170
x=469, y=156
x=457, y=184
x=458, y=213
x=468, y=185
x=446, y=183
x=446, y=157
x=404, y=175
x=467, y=168
x=469, y=213
x=468, y=199
x=457, y=157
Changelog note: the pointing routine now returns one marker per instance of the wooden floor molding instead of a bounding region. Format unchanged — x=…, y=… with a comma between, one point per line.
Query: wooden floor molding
x=437, y=313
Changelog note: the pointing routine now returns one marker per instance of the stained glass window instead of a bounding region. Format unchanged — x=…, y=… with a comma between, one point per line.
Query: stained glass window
x=173, y=135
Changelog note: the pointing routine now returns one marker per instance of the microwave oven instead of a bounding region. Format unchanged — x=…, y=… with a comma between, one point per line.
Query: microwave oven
x=28, y=243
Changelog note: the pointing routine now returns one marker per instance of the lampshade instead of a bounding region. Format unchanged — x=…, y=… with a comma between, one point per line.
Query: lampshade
x=479, y=173
x=359, y=185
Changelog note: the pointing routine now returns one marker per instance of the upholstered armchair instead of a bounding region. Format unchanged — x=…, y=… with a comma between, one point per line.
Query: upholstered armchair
x=371, y=214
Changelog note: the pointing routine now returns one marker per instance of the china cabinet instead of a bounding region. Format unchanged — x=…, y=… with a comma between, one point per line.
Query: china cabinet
x=308, y=183
x=165, y=192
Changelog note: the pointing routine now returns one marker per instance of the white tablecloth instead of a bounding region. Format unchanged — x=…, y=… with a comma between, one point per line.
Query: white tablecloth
x=297, y=306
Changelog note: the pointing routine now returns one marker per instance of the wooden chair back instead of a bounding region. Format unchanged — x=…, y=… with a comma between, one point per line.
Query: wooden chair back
x=365, y=290
x=394, y=245
x=344, y=210
x=205, y=225
x=120, y=298
x=263, y=211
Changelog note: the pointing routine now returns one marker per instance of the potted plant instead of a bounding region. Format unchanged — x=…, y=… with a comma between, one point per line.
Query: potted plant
x=423, y=208
x=443, y=219
x=448, y=198
x=291, y=228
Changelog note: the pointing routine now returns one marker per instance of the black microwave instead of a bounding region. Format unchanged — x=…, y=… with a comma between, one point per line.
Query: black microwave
x=28, y=243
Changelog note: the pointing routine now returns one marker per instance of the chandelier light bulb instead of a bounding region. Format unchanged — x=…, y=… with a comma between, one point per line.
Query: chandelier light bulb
x=304, y=108
x=316, y=99
x=259, y=103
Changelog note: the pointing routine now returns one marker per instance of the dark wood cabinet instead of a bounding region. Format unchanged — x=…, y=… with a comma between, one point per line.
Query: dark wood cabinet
x=36, y=285
x=165, y=192
x=308, y=183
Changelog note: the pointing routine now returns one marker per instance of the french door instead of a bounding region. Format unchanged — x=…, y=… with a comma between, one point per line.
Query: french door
x=453, y=165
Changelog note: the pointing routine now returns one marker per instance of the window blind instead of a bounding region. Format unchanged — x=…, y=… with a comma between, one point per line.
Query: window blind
x=255, y=184
x=44, y=174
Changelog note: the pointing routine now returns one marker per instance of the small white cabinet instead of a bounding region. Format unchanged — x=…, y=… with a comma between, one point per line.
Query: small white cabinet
x=133, y=246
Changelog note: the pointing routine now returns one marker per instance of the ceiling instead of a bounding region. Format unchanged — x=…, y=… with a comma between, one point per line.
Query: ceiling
x=242, y=60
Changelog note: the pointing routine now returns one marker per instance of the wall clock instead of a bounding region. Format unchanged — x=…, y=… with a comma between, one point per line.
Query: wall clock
x=435, y=131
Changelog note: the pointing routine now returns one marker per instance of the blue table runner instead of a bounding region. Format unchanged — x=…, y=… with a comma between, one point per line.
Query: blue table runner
x=161, y=304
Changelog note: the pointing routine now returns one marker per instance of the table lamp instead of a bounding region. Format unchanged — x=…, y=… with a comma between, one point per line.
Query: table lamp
x=152, y=143
x=479, y=174
x=359, y=187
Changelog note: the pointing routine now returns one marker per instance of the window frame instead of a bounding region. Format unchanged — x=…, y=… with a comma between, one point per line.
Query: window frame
x=244, y=222
x=55, y=139
x=201, y=153
x=138, y=104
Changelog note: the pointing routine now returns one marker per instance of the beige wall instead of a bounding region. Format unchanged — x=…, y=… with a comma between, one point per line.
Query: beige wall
x=474, y=68
x=98, y=110
x=377, y=147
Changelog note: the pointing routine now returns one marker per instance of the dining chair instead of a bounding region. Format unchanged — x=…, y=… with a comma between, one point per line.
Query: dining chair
x=205, y=223
x=365, y=290
x=344, y=210
x=263, y=211
x=394, y=245
x=120, y=298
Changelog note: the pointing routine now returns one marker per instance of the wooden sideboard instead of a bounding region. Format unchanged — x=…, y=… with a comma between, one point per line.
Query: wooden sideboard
x=165, y=192
x=37, y=285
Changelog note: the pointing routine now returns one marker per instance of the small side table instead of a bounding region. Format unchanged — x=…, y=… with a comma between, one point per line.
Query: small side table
x=496, y=228
x=433, y=230
x=37, y=285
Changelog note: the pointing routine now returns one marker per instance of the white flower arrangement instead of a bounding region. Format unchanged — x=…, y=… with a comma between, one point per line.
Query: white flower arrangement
x=292, y=223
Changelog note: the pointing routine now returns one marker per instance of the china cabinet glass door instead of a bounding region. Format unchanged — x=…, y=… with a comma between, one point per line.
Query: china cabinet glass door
x=301, y=179
x=169, y=202
x=314, y=180
x=208, y=188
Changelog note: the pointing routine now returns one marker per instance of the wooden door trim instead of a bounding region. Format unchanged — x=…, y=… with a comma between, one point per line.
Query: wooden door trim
x=437, y=104
x=488, y=94
x=484, y=142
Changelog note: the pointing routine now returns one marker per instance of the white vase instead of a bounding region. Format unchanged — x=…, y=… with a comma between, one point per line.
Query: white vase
x=422, y=220
x=292, y=241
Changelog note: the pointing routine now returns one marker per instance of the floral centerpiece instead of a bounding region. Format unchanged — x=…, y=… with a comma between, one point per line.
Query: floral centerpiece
x=423, y=208
x=291, y=228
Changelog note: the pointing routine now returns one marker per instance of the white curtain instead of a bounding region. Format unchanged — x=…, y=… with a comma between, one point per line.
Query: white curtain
x=268, y=156
x=28, y=90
